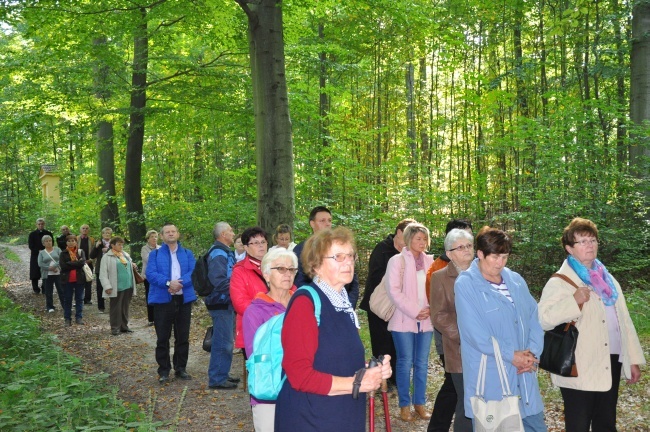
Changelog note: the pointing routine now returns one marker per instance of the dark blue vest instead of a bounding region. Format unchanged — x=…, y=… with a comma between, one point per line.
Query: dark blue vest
x=340, y=353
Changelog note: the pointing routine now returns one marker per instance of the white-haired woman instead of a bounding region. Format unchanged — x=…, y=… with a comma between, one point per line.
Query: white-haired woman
x=410, y=325
x=279, y=267
x=48, y=261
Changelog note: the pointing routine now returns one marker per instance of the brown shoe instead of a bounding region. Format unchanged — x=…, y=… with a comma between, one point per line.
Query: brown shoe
x=422, y=412
x=405, y=414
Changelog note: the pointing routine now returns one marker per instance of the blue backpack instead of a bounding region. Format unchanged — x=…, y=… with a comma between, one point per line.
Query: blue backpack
x=265, y=375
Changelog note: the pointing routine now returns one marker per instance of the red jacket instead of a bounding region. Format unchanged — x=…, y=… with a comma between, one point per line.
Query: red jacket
x=245, y=282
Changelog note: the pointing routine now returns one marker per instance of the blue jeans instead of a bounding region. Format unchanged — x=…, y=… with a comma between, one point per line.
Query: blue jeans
x=222, y=345
x=70, y=289
x=412, y=352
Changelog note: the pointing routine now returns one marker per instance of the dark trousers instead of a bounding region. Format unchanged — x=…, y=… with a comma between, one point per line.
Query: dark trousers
x=146, y=298
x=49, y=284
x=88, y=292
x=101, y=305
x=69, y=290
x=590, y=408
x=35, y=286
x=444, y=406
x=177, y=316
x=381, y=341
x=119, y=311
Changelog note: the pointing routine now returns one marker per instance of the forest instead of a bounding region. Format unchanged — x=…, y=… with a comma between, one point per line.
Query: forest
x=515, y=114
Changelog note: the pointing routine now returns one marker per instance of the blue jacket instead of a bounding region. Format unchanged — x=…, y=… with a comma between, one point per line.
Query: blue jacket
x=482, y=313
x=220, y=264
x=159, y=271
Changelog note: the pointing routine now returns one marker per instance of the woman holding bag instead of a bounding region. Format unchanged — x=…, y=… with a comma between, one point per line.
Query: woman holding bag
x=410, y=325
x=118, y=282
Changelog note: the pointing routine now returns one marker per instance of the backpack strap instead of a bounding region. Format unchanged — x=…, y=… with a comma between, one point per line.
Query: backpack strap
x=315, y=298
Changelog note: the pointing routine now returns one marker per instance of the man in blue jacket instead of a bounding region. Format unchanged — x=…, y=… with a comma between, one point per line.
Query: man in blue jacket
x=169, y=272
x=220, y=263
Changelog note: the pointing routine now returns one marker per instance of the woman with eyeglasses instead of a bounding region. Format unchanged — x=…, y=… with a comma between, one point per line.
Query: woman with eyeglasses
x=410, y=325
x=459, y=248
x=279, y=267
x=607, y=345
x=282, y=237
x=247, y=279
x=493, y=301
x=325, y=363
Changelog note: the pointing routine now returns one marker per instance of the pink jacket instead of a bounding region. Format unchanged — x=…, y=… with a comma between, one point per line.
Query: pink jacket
x=403, y=291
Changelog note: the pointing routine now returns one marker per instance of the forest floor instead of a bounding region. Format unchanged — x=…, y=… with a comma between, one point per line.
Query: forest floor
x=129, y=361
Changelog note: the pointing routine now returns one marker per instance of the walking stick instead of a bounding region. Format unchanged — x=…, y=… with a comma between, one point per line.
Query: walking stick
x=371, y=399
x=384, y=396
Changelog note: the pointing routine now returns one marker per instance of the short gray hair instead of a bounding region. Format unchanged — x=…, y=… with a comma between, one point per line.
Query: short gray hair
x=105, y=229
x=456, y=234
x=412, y=229
x=45, y=237
x=40, y=220
x=275, y=254
x=219, y=227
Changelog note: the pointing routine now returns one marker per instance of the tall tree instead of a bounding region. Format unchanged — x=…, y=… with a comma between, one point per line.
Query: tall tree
x=273, y=141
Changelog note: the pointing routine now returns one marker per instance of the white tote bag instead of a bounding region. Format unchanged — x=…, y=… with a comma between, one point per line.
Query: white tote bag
x=495, y=416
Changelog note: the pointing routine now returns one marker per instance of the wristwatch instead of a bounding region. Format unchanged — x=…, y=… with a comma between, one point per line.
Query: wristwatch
x=168, y=283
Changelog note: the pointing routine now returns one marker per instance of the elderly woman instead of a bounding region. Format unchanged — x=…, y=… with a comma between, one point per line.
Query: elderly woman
x=240, y=252
x=493, y=301
x=246, y=279
x=279, y=268
x=322, y=362
x=73, y=279
x=459, y=248
x=118, y=282
x=150, y=245
x=410, y=325
x=48, y=261
x=608, y=342
x=282, y=237
x=101, y=247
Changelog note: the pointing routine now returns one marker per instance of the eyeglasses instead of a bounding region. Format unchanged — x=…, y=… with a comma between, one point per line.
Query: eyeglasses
x=257, y=243
x=466, y=247
x=587, y=242
x=341, y=257
x=283, y=270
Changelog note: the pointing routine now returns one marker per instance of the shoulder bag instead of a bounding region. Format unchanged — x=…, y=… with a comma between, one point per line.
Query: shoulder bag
x=494, y=415
x=559, y=354
x=380, y=303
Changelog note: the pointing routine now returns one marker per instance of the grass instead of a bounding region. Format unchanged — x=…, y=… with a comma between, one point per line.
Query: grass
x=10, y=255
x=43, y=388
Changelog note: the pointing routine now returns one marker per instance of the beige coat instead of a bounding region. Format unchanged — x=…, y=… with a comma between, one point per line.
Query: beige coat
x=557, y=306
x=108, y=273
x=443, y=316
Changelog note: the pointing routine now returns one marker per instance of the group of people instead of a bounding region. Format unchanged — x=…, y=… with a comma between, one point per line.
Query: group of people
x=73, y=263
x=474, y=298
x=464, y=299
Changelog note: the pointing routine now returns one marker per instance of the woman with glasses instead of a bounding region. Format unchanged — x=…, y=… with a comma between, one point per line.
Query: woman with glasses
x=607, y=344
x=492, y=301
x=279, y=268
x=247, y=279
x=325, y=362
x=459, y=248
x=118, y=283
x=410, y=325
x=282, y=237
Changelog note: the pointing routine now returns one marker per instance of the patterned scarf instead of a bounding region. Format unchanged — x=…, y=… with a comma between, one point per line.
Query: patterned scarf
x=339, y=300
x=73, y=253
x=120, y=256
x=599, y=279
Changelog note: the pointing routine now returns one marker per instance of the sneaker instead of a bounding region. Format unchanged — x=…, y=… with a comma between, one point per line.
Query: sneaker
x=163, y=379
x=183, y=375
x=115, y=332
x=227, y=385
x=79, y=321
x=50, y=310
x=101, y=311
x=233, y=379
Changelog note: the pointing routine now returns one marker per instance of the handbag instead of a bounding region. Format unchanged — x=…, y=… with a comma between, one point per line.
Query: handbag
x=138, y=277
x=559, y=354
x=380, y=302
x=88, y=273
x=207, y=339
x=493, y=416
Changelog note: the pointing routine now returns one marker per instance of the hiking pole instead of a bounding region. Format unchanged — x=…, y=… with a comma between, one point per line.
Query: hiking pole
x=384, y=396
x=371, y=398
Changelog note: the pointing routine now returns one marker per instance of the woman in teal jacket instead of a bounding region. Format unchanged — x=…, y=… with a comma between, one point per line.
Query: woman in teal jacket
x=493, y=301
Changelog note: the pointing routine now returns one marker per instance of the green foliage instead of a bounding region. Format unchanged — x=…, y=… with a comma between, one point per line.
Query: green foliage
x=638, y=302
x=42, y=388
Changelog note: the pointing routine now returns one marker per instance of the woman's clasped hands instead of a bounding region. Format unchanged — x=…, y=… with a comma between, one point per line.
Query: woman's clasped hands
x=525, y=361
x=373, y=377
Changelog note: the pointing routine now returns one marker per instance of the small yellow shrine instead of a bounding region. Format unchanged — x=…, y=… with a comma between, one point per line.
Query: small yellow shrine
x=50, y=183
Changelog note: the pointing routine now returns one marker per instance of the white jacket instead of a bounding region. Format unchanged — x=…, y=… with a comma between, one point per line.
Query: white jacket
x=108, y=273
x=557, y=306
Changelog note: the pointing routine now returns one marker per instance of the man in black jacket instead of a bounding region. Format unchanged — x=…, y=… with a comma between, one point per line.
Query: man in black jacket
x=380, y=338
x=35, y=242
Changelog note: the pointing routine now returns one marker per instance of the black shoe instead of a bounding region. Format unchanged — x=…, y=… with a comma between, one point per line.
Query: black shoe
x=128, y=330
x=79, y=321
x=233, y=379
x=227, y=385
x=88, y=302
x=183, y=375
x=163, y=379
x=68, y=323
x=115, y=332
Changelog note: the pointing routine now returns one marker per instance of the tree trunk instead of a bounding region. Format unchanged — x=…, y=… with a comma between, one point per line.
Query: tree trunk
x=133, y=166
x=274, y=145
x=640, y=92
